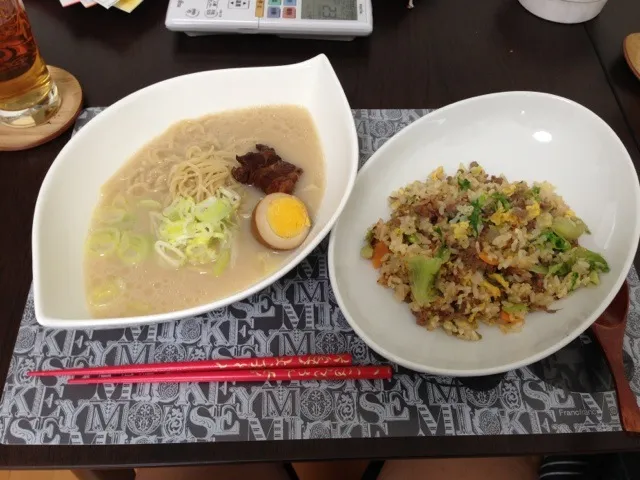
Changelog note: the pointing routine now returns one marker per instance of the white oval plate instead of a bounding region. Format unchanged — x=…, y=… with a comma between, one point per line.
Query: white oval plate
x=526, y=136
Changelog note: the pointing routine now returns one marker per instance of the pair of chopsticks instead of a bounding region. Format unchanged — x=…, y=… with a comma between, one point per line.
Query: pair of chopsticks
x=299, y=367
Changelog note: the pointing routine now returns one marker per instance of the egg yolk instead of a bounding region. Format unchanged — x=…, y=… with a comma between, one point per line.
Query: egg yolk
x=287, y=217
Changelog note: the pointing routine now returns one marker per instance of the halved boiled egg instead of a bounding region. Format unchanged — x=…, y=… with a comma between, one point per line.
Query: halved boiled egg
x=281, y=221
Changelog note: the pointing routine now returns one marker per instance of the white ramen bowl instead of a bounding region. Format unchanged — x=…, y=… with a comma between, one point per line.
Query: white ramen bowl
x=70, y=190
x=527, y=136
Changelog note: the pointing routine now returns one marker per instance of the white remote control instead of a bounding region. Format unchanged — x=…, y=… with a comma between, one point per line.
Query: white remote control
x=329, y=19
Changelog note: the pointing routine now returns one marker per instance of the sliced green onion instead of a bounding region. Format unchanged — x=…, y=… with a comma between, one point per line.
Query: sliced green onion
x=560, y=269
x=174, y=257
x=156, y=219
x=150, y=204
x=515, y=308
x=444, y=253
x=120, y=202
x=595, y=260
x=106, y=293
x=535, y=191
x=366, y=251
x=133, y=248
x=104, y=241
x=413, y=238
x=175, y=232
x=569, y=228
x=110, y=215
x=369, y=235
x=200, y=232
x=574, y=279
x=213, y=210
x=464, y=184
x=181, y=208
x=230, y=195
x=502, y=198
x=223, y=262
x=475, y=218
x=200, y=253
x=541, y=269
x=206, y=231
x=556, y=241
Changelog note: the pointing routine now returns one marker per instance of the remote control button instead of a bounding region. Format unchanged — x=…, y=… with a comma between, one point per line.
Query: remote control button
x=273, y=12
x=290, y=3
x=260, y=8
x=238, y=4
x=289, y=12
x=275, y=2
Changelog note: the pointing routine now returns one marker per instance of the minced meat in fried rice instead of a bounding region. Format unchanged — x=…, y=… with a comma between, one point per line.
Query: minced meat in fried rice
x=473, y=248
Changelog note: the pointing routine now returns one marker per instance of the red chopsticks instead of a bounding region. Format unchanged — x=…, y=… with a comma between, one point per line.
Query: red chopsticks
x=300, y=367
x=332, y=373
x=206, y=365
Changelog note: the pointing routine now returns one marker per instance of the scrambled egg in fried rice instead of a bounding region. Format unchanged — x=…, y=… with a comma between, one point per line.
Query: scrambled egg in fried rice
x=473, y=248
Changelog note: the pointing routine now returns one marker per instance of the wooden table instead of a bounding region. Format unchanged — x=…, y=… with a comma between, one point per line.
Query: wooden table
x=438, y=53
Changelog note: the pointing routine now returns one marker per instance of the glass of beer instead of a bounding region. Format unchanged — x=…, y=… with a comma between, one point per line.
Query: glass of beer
x=28, y=95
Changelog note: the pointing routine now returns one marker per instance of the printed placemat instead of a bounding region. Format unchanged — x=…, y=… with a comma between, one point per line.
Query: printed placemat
x=570, y=391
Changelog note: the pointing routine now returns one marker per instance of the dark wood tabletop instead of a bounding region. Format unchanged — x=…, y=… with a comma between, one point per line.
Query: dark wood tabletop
x=440, y=52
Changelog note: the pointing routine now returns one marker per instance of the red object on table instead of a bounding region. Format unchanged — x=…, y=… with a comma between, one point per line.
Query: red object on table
x=333, y=373
x=298, y=361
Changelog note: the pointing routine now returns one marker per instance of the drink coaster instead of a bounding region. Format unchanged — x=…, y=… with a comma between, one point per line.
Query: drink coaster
x=12, y=138
x=631, y=48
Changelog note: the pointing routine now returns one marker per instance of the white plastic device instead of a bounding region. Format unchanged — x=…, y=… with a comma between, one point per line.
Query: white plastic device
x=330, y=19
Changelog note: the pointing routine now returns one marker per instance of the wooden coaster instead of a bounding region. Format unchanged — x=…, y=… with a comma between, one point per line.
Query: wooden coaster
x=12, y=138
x=631, y=48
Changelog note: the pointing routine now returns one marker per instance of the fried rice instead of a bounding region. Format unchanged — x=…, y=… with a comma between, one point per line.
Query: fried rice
x=472, y=248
